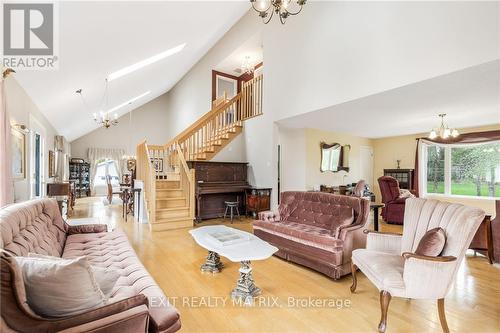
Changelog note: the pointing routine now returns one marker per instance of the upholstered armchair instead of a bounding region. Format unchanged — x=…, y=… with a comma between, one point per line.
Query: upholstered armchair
x=394, y=209
x=359, y=189
x=390, y=263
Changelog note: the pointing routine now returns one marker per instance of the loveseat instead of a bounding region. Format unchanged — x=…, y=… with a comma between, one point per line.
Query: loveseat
x=136, y=304
x=316, y=230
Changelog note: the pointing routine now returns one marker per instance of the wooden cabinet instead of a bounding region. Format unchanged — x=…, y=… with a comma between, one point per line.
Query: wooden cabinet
x=257, y=200
x=404, y=177
x=79, y=173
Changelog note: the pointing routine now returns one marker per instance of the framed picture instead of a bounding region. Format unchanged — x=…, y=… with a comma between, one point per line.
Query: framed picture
x=52, y=164
x=157, y=164
x=18, y=154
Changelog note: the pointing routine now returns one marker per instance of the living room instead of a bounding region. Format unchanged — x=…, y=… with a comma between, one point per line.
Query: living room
x=240, y=175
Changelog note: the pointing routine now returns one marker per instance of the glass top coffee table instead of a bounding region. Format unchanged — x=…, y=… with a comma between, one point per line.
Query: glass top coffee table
x=237, y=246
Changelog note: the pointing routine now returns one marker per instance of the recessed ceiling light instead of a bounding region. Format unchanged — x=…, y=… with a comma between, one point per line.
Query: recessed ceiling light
x=128, y=102
x=145, y=62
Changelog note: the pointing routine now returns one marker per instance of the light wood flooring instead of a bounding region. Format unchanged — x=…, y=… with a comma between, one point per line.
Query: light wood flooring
x=174, y=259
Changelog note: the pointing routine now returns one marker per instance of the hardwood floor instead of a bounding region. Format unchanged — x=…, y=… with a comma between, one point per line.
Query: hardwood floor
x=174, y=260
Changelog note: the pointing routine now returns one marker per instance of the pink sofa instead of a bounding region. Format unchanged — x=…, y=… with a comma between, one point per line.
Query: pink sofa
x=137, y=304
x=317, y=230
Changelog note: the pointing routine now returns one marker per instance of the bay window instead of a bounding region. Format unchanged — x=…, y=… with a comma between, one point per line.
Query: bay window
x=471, y=170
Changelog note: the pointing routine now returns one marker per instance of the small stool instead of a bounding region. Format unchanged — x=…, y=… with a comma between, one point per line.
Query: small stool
x=231, y=205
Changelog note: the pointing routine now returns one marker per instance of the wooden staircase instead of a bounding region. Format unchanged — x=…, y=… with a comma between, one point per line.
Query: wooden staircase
x=169, y=185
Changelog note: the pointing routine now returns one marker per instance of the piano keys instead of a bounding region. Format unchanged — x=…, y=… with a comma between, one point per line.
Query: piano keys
x=217, y=182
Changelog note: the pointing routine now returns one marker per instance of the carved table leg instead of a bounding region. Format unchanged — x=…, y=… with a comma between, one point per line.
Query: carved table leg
x=213, y=263
x=245, y=289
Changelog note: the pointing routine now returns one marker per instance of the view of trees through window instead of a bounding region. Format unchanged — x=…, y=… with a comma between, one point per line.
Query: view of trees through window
x=475, y=170
x=435, y=169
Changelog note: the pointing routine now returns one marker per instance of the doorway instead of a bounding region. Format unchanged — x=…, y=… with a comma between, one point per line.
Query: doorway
x=366, y=164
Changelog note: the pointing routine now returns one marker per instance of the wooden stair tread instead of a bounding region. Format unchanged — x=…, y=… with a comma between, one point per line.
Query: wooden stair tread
x=171, y=209
x=171, y=198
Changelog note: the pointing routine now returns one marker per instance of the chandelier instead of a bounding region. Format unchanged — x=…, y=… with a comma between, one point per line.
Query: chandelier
x=104, y=119
x=282, y=8
x=443, y=131
x=246, y=66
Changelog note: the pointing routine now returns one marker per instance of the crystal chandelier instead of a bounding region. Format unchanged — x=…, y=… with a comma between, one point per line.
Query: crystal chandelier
x=246, y=66
x=443, y=131
x=282, y=8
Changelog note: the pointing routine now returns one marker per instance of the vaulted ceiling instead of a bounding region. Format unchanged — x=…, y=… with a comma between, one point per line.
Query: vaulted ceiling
x=98, y=38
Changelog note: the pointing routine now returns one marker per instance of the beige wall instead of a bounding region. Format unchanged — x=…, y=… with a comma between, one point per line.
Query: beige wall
x=314, y=177
x=23, y=111
x=388, y=150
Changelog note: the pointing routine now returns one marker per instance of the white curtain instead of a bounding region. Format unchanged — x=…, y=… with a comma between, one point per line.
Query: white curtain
x=97, y=154
x=6, y=189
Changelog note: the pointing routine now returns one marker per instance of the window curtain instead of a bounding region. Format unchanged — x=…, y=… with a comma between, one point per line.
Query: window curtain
x=476, y=137
x=6, y=188
x=96, y=154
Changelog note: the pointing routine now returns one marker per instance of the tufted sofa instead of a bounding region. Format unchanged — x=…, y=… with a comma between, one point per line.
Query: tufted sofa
x=137, y=304
x=317, y=230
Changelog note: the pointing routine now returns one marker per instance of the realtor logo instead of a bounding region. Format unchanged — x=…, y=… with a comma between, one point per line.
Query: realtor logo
x=29, y=32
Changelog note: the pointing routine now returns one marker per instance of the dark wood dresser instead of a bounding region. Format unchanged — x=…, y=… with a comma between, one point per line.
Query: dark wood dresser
x=258, y=200
x=404, y=177
x=217, y=182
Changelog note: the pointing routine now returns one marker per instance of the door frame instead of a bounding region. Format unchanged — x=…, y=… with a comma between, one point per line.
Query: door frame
x=37, y=128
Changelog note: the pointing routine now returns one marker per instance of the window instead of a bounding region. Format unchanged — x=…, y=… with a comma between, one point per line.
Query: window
x=464, y=170
x=103, y=169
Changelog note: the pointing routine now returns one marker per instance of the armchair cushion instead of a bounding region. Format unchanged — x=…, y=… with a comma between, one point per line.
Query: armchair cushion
x=385, y=270
x=432, y=243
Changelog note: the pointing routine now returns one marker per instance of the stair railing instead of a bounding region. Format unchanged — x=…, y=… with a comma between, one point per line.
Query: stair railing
x=221, y=120
x=154, y=162
x=146, y=173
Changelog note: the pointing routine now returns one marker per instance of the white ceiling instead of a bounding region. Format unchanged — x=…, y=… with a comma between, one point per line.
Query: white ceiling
x=251, y=48
x=98, y=38
x=470, y=97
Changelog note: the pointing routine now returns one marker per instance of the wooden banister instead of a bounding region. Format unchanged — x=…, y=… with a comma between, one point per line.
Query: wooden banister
x=221, y=123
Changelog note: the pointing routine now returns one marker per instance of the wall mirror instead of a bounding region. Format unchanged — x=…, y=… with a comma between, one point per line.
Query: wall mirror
x=334, y=157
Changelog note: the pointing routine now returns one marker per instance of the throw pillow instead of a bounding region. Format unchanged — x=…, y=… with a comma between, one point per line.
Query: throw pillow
x=106, y=278
x=432, y=243
x=60, y=288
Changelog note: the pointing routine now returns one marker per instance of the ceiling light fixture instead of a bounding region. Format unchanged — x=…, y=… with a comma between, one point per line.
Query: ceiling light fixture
x=443, y=131
x=247, y=66
x=144, y=63
x=104, y=119
x=282, y=8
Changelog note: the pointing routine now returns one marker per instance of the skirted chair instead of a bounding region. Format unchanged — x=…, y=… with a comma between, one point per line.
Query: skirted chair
x=394, y=206
x=390, y=263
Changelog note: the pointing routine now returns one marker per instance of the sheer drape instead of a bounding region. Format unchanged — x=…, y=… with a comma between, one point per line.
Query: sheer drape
x=6, y=191
x=476, y=137
x=97, y=154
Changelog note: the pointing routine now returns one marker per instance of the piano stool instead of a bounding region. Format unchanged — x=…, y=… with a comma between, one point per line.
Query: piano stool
x=231, y=205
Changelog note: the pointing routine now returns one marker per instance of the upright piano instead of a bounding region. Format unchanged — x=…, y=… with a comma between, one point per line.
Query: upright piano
x=217, y=182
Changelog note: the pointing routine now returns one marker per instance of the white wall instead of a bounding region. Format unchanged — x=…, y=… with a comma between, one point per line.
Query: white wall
x=333, y=52
x=293, y=159
x=23, y=111
x=148, y=122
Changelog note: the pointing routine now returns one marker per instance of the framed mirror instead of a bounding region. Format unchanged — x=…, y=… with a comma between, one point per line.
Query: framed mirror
x=334, y=157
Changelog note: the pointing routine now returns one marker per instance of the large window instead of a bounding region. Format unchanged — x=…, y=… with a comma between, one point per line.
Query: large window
x=465, y=170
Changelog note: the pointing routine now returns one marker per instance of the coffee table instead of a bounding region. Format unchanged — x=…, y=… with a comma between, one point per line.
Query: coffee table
x=244, y=250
